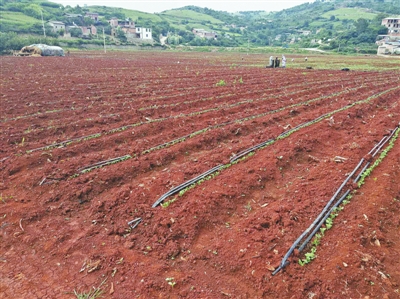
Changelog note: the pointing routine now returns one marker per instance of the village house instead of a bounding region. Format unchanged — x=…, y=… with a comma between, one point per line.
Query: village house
x=56, y=26
x=390, y=43
x=85, y=30
x=143, y=33
x=94, y=16
x=129, y=28
x=205, y=34
x=128, y=23
x=389, y=48
x=393, y=26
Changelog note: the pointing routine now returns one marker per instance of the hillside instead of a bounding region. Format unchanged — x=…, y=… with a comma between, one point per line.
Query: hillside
x=318, y=24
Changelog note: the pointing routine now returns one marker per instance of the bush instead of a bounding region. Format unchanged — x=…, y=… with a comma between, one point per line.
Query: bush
x=75, y=32
x=33, y=10
x=12, y=41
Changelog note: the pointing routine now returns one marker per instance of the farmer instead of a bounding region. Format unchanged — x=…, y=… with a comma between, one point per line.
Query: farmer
x=271, y=62
x=283, y=61
x=277, y=61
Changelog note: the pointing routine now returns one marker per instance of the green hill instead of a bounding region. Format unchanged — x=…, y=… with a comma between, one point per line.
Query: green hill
x=323, y=24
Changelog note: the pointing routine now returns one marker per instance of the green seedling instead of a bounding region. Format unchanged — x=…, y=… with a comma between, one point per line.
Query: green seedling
x=220, y=83
x=96, y=292
x=171, y=281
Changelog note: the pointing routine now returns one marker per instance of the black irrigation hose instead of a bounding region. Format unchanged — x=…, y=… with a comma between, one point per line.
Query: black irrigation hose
x=102, y=163
x=388, y=138
x=361, y=172
x=135, y=222
x=376, y=145
x=316, y=221
x=317, y=226
x=62, y=143
x=375, y=150
x=65, y=142
x=186, y=184
x=249, y=150
x=319, y=221
x=323, y=220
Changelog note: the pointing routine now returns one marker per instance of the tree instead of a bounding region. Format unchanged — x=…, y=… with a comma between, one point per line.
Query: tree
x=75, y=32
x=361, y=25
x=120, y=34
x=33, y=10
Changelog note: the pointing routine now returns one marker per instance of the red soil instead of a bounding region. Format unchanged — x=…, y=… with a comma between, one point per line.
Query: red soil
x=62, y=230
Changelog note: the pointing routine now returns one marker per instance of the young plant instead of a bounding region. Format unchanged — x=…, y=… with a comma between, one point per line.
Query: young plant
x=92, y=294
x=220, y=83
x=309, y=256
x=171, y=281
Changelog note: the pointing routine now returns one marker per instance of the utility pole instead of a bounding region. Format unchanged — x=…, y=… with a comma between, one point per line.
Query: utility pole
x=44, y=29
x=104, y=38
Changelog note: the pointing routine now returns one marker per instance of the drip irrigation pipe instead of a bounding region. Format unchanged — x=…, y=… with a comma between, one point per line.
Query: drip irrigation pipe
x=388, y=138
x=374, y=151
x=65, y=142
x=285, y=261
x=185, y=184
x=323, y=220
x=54, y=145
x=302, y=125
x=135, y=222
x=102, y=163
x=245, y=152
x=291, y=130
x=376, y=145
x=361, y=172
x=318, y=222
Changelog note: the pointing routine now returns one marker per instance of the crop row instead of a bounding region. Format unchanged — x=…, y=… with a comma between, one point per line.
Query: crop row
x=200, y=112
x=130, y=97
x=237, y=121
x=333, y=206
x=250, y=152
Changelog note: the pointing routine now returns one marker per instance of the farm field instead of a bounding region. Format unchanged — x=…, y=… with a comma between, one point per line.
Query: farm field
x=191, y=175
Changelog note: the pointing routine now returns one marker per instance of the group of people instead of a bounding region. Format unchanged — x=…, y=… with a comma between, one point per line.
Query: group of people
x=275, y=62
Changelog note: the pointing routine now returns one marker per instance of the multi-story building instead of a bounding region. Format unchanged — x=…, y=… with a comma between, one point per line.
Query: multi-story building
x=393, y=26
x=130, y=29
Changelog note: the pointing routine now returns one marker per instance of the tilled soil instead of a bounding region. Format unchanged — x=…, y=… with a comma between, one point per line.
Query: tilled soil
x=90, y=142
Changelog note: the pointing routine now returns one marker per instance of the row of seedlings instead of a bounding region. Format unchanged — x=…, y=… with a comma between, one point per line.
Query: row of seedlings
x=328, y=212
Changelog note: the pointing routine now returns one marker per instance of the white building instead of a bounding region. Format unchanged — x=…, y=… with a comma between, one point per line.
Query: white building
x=143, y=33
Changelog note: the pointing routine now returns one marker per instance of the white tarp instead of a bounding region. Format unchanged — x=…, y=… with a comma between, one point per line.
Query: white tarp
x=49, y=50
x=43, y=50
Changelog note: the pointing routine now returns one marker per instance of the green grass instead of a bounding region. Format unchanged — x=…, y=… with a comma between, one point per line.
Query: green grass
x=318, y=24
x=183, y=14
x=349, y=14
x=178, y=25
x=337, y=62
x=17, y=18
x=133, y=14
x=94, y=293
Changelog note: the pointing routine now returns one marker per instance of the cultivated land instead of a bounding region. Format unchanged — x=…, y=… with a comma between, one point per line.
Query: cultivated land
x=90, y=142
